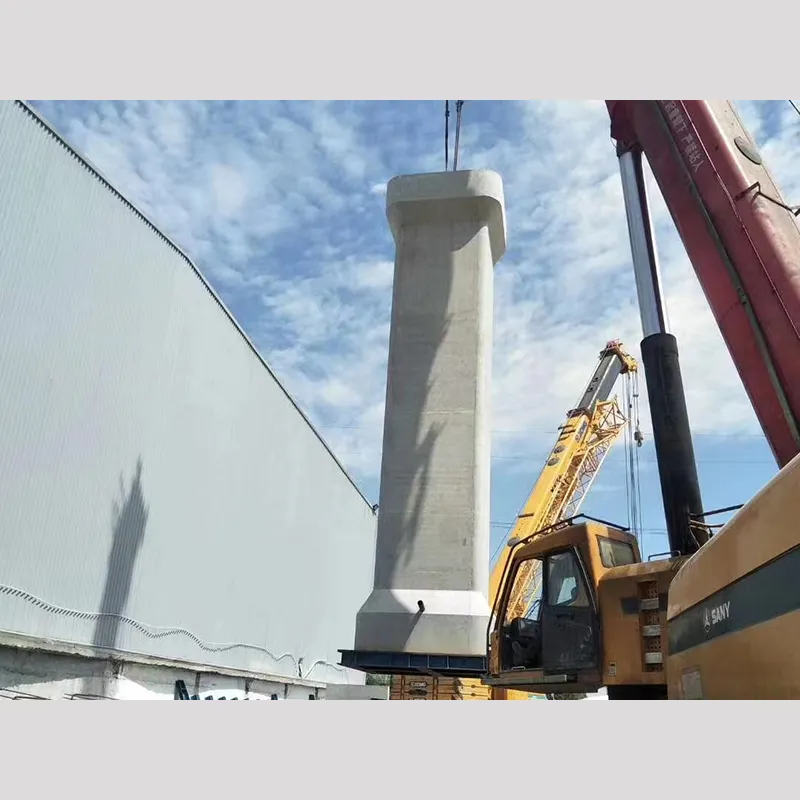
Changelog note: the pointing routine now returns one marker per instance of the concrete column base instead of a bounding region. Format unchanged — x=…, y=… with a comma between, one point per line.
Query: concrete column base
x=449, y=623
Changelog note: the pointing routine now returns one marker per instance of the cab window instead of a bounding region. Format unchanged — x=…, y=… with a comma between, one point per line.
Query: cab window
x=614, y=553
x=526, y=592
x=565, y=584
x=521, y=641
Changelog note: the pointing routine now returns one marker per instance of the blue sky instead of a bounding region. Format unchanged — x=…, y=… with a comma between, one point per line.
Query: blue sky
x=281, y=205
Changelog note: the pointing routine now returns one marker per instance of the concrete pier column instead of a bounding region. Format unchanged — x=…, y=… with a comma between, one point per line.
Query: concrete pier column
x=432, y=559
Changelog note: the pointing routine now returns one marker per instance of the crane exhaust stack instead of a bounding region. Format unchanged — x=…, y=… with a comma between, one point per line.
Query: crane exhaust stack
x=429, y=604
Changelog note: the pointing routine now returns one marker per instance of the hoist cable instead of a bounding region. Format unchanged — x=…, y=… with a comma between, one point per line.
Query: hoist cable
x=446, y=134
x=633, y=473
x=638, y=474
x=459, y=104
x=628, y=487
x=632, y=457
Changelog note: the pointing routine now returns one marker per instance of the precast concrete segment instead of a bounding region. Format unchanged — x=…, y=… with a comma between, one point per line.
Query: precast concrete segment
x=432, y=559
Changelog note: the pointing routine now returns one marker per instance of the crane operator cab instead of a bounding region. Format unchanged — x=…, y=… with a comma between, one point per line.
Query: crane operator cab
x=545, y=630
x=567, y=600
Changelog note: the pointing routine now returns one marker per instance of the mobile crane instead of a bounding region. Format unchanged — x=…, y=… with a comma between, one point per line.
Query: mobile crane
x=719, y=618
x=583, y=441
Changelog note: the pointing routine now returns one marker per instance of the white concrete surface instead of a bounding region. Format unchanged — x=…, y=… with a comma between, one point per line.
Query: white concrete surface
x=61, y=671
x=432, y=553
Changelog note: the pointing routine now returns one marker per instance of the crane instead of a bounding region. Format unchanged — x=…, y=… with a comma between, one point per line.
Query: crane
x=719, y=617
x=591, y=427
x=583, y=441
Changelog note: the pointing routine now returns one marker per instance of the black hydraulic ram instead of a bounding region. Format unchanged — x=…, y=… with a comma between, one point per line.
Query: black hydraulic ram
x=677, y=469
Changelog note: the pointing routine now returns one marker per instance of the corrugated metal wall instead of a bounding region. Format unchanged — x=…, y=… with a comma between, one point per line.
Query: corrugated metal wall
x=152, y=470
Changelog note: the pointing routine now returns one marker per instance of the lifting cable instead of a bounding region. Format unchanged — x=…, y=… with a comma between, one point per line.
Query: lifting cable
x=638, y=438
x=635, y=496
x=628, y=504
x=459, y=106
x=633, y=441
x=446, y=134
x=630, y=475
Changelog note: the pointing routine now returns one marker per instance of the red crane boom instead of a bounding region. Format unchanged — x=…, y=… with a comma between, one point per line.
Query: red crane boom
x=742, y=238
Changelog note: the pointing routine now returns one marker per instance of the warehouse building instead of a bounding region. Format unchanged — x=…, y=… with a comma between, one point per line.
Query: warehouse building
x=165, y=507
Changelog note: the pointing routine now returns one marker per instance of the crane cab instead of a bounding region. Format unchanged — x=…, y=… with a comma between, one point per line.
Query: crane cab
x=561, y=589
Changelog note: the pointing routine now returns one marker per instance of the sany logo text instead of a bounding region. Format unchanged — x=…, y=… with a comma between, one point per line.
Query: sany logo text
x=716, y=614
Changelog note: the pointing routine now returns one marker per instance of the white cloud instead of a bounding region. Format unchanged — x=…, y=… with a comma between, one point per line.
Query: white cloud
x=230, y=189
x=373, y=275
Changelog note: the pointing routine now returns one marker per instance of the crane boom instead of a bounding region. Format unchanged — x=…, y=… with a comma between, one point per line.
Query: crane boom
x=741, y=237
x=582, y=444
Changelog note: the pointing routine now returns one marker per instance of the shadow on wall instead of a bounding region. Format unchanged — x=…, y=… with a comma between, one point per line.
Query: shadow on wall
x=129, y=522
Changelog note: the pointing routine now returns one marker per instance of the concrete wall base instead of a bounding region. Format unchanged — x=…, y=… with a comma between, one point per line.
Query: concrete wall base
x=46, y=670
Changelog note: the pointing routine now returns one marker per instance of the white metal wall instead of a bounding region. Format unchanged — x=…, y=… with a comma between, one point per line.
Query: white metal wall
x=152, y=470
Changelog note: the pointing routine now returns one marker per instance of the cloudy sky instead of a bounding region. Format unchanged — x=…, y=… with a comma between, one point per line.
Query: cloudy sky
x=281, y=205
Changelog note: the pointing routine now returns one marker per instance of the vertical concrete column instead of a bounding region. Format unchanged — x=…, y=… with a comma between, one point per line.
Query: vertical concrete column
x=432, y=559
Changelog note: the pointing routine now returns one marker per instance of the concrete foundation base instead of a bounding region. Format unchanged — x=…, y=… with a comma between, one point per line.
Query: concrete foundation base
x=432, y=558
x=452, y=623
